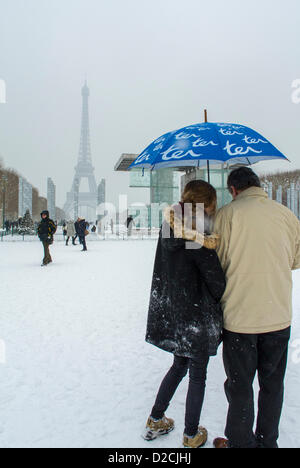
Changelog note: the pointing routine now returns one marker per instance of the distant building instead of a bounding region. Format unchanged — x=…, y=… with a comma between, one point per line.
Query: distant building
x=25, y=197
x=51, y=198
x=20, y=196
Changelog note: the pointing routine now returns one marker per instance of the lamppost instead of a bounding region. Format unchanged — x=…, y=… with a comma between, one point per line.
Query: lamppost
x=4, y=181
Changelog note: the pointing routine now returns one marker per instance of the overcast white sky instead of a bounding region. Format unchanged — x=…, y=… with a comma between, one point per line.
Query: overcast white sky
x=152, y=66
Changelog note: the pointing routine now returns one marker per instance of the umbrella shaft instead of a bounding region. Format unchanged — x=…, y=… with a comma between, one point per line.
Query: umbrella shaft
x=208, y=172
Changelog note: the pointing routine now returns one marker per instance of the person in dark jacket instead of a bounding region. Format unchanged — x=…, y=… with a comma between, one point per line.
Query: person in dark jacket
x=81, y=228
x=76, y=229
x=7, y=226
x=130, y=224
x=185, y=316
x=46, y=231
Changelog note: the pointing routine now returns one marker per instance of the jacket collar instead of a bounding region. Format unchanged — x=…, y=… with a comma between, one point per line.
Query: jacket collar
x=252, y=192
x=175, y=217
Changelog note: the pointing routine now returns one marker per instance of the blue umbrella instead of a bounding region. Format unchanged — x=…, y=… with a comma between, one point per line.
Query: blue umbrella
x=204, y=143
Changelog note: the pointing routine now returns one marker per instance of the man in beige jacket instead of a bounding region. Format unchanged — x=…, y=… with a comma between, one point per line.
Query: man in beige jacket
x=260, y=246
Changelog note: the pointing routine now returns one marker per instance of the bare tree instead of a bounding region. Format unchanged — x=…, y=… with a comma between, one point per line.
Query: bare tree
x=283, y=179
x=9, y=189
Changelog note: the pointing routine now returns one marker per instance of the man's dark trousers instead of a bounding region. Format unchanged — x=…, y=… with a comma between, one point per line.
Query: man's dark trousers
x=47, y=257
x=83, y=242
x=244, y=355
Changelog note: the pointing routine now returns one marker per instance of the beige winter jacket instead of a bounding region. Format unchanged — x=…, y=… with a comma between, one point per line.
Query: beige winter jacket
x=259, y=248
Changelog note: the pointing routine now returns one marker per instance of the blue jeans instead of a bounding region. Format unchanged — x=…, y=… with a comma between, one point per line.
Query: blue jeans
x=198, y=372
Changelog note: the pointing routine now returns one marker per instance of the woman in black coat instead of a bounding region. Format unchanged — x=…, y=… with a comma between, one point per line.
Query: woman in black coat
x=185, y=316
x=81, y=227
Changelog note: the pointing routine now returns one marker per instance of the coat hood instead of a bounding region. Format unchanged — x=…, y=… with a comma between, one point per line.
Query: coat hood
x=182, y=225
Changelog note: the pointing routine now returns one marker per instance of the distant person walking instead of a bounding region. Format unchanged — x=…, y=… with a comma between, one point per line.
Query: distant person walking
x=46, y=231
x=70, y=232
x=7, y=226
x=129, y=225
x=82, y=232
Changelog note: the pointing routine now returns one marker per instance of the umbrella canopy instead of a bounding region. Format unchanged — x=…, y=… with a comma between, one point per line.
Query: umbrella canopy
x=198, y=144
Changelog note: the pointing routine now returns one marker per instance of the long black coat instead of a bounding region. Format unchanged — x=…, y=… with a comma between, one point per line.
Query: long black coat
x=185, y=315
x=80, y=227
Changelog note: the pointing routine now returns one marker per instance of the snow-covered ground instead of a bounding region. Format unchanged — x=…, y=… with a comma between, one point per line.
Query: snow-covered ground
x=78, y=372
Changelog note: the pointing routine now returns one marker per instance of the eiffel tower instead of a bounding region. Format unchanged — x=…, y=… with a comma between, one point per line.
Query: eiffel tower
x=83, y=204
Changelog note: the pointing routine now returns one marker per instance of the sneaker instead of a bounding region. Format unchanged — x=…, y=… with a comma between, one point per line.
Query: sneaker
x=199, y=440
x=158, y=427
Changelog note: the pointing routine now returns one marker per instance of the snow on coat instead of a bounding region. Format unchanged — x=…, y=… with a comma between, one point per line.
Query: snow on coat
x=185, y=316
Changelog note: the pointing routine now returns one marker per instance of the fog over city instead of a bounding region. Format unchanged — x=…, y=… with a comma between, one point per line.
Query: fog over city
x=151, y=66
x=128, y=299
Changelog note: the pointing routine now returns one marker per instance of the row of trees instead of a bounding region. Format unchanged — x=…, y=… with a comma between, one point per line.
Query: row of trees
x=9, y=191
x=9, y=196
x=283, y=179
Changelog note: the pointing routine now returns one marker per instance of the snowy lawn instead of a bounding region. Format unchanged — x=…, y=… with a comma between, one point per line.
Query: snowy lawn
x=78, y=372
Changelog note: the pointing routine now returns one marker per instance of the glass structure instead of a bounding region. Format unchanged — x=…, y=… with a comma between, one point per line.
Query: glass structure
x=218, y=178
x=166, y=186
